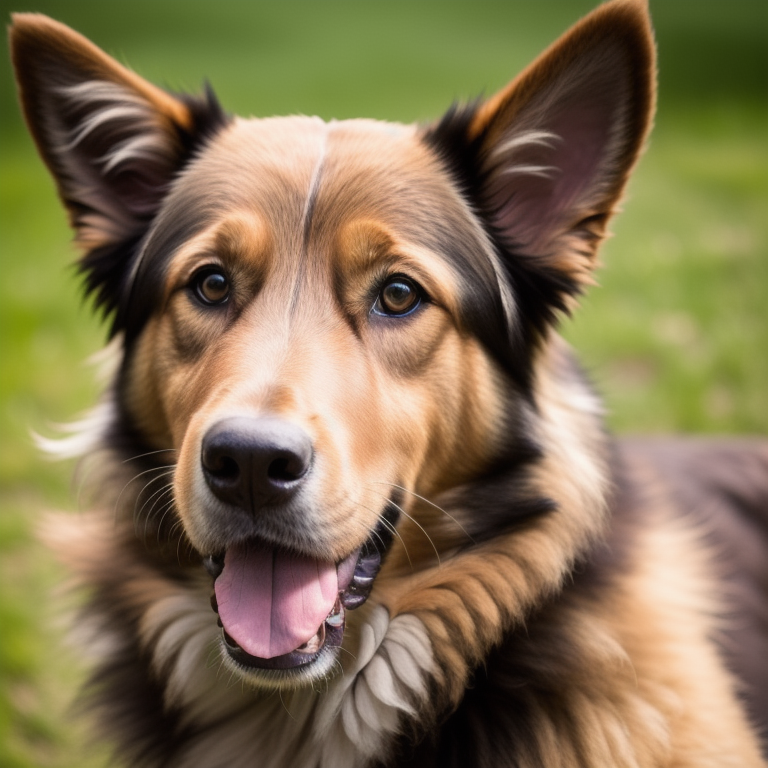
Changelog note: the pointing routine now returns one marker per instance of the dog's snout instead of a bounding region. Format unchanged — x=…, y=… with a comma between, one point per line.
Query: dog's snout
x=250, y=462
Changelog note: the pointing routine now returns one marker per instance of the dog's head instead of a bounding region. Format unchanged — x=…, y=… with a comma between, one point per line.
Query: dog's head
x=331, y=324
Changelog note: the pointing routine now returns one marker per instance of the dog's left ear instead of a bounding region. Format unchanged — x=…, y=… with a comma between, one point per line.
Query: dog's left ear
x=545, y=160
x=113, y=142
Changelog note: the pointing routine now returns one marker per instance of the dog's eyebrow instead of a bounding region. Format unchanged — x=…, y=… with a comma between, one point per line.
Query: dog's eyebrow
x=239, y=235
x=367, y=246
x=364, y=242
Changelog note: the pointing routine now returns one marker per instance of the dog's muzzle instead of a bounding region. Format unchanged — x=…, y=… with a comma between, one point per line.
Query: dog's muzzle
x=279, y=609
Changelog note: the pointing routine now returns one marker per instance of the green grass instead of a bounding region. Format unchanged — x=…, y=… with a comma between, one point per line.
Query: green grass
x=676, y=335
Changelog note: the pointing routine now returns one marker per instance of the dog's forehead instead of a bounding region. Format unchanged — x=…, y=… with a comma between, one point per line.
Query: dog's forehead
x=306, y=180
x=341, y=194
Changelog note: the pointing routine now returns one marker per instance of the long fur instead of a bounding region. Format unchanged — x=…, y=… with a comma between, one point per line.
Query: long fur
x=547, y=595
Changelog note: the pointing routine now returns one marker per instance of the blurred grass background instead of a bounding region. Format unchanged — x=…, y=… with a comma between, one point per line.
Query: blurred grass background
x=676, y=337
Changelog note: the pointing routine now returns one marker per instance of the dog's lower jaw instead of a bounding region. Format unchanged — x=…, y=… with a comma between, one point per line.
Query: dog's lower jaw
x=313, y=660
x=320, y=665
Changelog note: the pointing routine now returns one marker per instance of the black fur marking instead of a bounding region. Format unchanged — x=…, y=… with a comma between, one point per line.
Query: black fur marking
x=107, y=270
x=142, y=499
x=141, y=296
x=482, y=308
x=494, y=718
x=450, y=139
x=502, y=499
x=540, y=292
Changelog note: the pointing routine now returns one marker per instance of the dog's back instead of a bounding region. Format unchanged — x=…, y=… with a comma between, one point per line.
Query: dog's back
x=721, y=486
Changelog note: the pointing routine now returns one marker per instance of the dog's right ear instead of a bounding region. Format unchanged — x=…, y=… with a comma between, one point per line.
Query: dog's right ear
x=545, y=160
x=112, y=141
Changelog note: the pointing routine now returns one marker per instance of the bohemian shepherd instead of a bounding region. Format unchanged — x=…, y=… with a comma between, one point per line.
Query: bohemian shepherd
x=356, y=502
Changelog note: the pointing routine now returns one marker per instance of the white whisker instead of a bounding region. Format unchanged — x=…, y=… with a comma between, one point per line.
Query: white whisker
x=415, y=522
x=431, y=504
x=149, y=453
x=392, y=528
x=157, y=498
x=137, y=512
x=169, y=469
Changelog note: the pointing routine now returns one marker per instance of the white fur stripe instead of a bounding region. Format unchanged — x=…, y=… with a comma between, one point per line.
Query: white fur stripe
x=381, y=677
x=124, y=113
x=142, y=147
x=544, y=171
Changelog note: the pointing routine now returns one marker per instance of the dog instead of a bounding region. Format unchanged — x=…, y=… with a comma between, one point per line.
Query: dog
x=355, y=504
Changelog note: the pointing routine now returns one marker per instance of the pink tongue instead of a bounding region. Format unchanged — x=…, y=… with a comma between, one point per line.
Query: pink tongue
x=270, y=603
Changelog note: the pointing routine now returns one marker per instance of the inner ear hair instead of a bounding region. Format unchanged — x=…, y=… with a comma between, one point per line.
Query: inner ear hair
x=556, y=146
x=110, y=138
x=113, y=142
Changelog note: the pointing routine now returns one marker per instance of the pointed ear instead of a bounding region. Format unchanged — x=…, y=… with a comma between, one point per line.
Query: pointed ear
x=546, y=159
x=112, y=141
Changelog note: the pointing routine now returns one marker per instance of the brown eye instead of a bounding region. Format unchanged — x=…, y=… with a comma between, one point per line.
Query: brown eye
x=399, y=296
x=211, y=286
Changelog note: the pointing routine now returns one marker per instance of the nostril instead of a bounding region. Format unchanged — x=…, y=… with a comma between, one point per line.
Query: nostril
x=224, y=467
x=216, y=462
x=278, y=470
x=286, y=469
x=228, y=468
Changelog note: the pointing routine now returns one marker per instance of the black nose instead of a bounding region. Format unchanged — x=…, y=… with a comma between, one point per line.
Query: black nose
x=250, y=462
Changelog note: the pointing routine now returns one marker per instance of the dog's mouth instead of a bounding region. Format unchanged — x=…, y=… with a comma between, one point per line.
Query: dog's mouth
x=281, y=610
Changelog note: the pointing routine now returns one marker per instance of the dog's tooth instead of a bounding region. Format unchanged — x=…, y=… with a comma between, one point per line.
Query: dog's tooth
x=337, y=619
x=336, y=616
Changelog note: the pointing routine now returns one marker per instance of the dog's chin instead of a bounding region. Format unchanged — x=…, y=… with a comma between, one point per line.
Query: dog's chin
x=316, y=657
x=314, y=660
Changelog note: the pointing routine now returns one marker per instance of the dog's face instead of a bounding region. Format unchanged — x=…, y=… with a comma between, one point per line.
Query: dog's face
x=310, y=361
x=327, y=325
x=311, y=356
